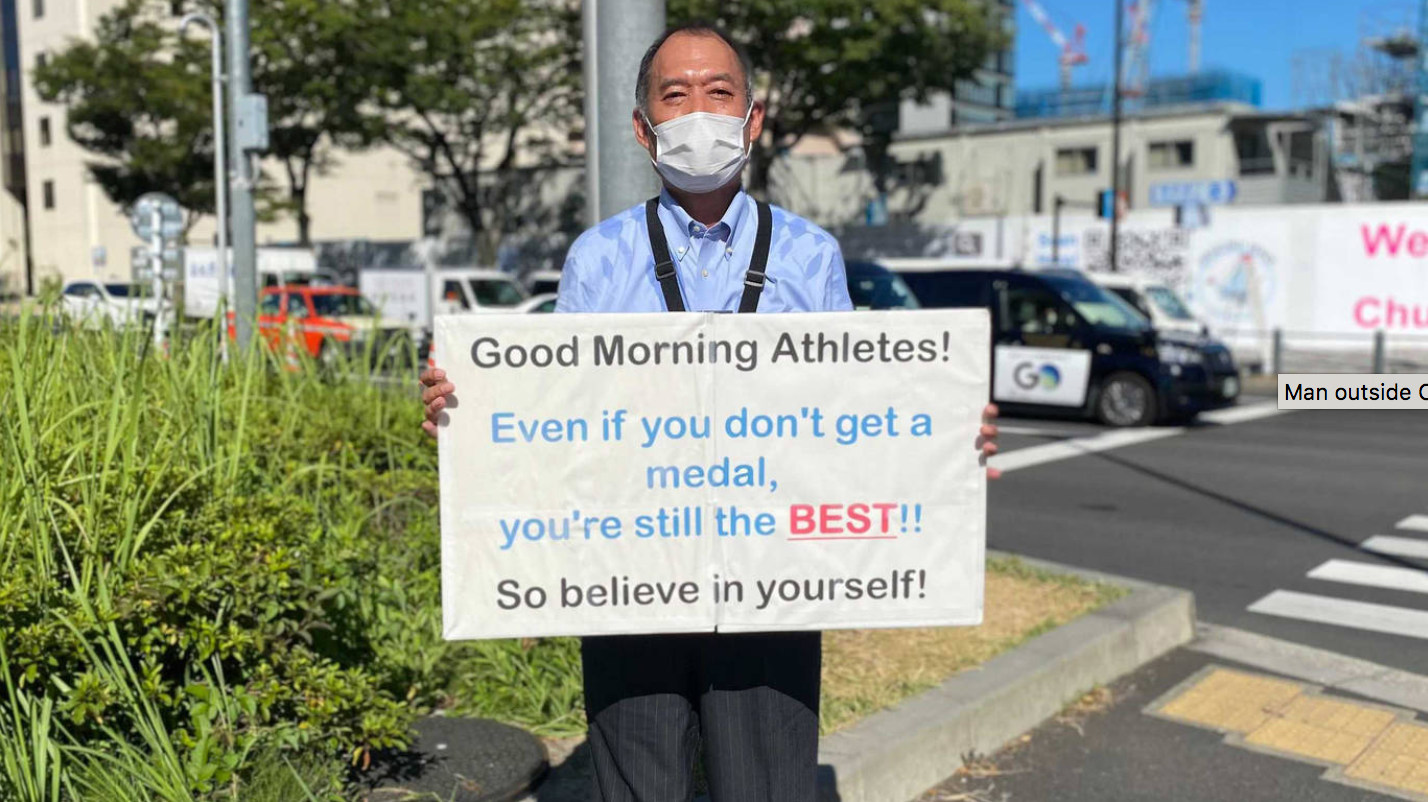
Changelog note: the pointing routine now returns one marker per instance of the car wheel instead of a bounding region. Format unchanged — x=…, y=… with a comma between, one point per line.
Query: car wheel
x=1126, y=399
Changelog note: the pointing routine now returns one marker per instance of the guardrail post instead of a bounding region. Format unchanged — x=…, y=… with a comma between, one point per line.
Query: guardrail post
x=1379, y=360
x=1276, y=363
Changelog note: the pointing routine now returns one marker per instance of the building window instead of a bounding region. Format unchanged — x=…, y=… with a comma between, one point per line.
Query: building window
x=41, y=60
x=49, y=191
x=39, y=8
x=44, y=132
x=1255, y=157
x=1172, y=155
x=176, y=7
x=1075, y=161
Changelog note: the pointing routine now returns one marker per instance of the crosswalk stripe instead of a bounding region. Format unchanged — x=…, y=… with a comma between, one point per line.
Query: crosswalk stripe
x=1344, y=613
x=1242, y=414
x=1417, y=523
x=1378, y=576
x=1396, y=546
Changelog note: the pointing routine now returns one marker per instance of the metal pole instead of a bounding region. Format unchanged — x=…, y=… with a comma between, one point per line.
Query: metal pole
x=1379, y=352
x=616, y=35
x=245, y=266
x=156, y=264
x=1277, y=353
x=220, y=155
x=1056, y=231
x=1116, y=139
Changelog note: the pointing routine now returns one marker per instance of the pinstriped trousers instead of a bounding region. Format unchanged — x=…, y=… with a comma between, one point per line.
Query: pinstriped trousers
x=751, y=700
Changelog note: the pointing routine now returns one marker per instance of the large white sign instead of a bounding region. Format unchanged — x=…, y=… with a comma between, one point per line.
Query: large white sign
x=203, y=287
x=1373, y=270
x=616, y=474
x=1055, y=376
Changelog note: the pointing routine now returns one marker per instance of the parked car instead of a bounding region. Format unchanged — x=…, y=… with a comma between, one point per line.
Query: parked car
x=96, y=304
x=325, y=322
x=1156, y=300
x=540, y=282
x=540, y=304
x=1064, y=343
x=872, y=286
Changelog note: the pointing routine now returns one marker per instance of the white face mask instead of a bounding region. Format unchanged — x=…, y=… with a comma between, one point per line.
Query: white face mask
x=702, y=151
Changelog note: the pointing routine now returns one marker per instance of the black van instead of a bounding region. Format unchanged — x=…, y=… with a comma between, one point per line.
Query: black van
x=1062, y=342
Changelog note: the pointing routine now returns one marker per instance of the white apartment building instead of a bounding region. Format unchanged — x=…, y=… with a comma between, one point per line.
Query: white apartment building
x=77, y=232
x=1019, y=167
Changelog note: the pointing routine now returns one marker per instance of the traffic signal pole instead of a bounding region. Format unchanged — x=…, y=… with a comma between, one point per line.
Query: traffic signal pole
x=616, y=34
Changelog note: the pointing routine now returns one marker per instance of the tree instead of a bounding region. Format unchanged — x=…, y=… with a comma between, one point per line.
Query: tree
x=474, y=93
x=847, y=63
x=138, y=96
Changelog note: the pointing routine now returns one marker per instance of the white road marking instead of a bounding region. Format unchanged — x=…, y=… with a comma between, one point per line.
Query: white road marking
x=1240, y=414
x=1397, y=546
x=1066, y=449
x=1417, y=523
x=1344, y=613
x=1028, y=430
x=1378, y=576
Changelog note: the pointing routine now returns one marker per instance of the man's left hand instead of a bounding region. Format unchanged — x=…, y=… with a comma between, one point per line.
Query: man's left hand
x=987, y=438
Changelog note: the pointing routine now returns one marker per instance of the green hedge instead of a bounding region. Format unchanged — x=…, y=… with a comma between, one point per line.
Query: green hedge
x=227, y=574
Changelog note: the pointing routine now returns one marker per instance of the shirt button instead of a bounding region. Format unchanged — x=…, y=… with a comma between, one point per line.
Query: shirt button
x=681, y=251
x=706, y=274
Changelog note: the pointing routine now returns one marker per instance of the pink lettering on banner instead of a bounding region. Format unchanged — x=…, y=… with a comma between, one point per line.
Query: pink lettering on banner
x=1394, y=241
x=1389, y=313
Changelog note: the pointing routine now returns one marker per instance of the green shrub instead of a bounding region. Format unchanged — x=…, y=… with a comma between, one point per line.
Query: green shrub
x=208, y=562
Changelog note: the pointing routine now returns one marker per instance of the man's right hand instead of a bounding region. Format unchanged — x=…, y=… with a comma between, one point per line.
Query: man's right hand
x=435, y=389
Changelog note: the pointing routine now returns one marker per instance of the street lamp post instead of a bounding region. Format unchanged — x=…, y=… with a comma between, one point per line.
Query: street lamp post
x=220, y=156
x=616, y=33
x=1116, y=142
x=247, y=133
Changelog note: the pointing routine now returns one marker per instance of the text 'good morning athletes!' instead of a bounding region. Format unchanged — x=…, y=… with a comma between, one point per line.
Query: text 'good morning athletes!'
x=616, y=350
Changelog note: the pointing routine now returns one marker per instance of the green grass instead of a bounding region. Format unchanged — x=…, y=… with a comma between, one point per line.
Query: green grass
x=221, y=580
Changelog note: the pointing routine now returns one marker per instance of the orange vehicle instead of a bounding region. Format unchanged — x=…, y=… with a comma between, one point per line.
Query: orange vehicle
x=326, y=322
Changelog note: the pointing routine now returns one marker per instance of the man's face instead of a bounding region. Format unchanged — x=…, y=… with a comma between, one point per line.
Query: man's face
x=690, y=73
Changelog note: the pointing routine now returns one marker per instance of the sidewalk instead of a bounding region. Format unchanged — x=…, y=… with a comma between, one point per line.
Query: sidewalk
x=1153, y=735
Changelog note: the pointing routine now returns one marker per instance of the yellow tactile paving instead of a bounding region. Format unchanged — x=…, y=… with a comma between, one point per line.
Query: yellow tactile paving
x=1322, y=729
x=1232, y=700
x=1398, y=759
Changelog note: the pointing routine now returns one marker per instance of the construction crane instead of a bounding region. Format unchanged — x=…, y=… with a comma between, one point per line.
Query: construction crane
x=1195, y=13
x=1073, y=51
x=1137, y=64
x=1136, y=69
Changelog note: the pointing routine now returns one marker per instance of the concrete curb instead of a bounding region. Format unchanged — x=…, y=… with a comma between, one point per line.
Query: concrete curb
x=894, y=755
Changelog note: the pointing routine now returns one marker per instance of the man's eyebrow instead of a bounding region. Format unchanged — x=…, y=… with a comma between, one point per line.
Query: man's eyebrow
x=723, y=76
x=668, y=82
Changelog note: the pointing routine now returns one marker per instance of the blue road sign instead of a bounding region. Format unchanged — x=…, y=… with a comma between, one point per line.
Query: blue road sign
x=1180, y=193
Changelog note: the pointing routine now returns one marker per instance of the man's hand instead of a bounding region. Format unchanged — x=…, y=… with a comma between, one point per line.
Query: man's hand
x=986, y=437
x=435, y=389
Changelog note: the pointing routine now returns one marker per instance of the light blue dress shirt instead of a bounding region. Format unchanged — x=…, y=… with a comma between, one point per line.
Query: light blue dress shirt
x=610, y=268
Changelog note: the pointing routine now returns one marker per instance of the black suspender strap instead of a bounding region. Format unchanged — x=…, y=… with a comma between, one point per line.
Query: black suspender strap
x=664, y=265
x=754, y=279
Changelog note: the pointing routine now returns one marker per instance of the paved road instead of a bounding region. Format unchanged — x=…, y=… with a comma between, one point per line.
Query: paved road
x=1271, y=514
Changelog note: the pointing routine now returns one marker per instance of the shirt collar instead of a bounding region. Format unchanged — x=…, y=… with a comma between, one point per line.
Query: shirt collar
x=732, y=216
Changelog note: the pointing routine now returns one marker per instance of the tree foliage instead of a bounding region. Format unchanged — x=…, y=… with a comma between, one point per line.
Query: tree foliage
x=138, y=97
x=847, y=63
x=475, y=93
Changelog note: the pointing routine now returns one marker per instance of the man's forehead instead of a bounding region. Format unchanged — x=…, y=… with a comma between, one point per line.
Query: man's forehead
x=688, y=55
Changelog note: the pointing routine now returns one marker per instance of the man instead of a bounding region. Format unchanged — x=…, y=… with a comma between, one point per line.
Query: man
x=703, y=245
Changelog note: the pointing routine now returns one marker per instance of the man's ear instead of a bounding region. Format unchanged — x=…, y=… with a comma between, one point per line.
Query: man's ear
x=643, y=134
x=756, y=121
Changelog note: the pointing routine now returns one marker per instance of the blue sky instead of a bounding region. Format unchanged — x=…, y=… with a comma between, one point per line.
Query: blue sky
x=1257, y=37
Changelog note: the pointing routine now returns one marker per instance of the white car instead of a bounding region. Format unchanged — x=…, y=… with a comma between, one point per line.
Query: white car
x=1157, y=301
x=95, y=304
x=540, y=282
x=545, y=302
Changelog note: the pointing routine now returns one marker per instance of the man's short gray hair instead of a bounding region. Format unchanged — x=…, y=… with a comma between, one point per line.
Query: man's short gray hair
x=642, y=80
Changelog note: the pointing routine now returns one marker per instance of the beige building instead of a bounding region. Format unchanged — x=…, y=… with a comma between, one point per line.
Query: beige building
x=1018, y=167
x=77, y=232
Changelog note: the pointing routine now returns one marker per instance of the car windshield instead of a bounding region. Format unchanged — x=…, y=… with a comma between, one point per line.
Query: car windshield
x=1169, y=303
x=129, y=290
x=496, y=292
x=545, y=285
x=1098, y=306
x=871, y=289
x=341, y=305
